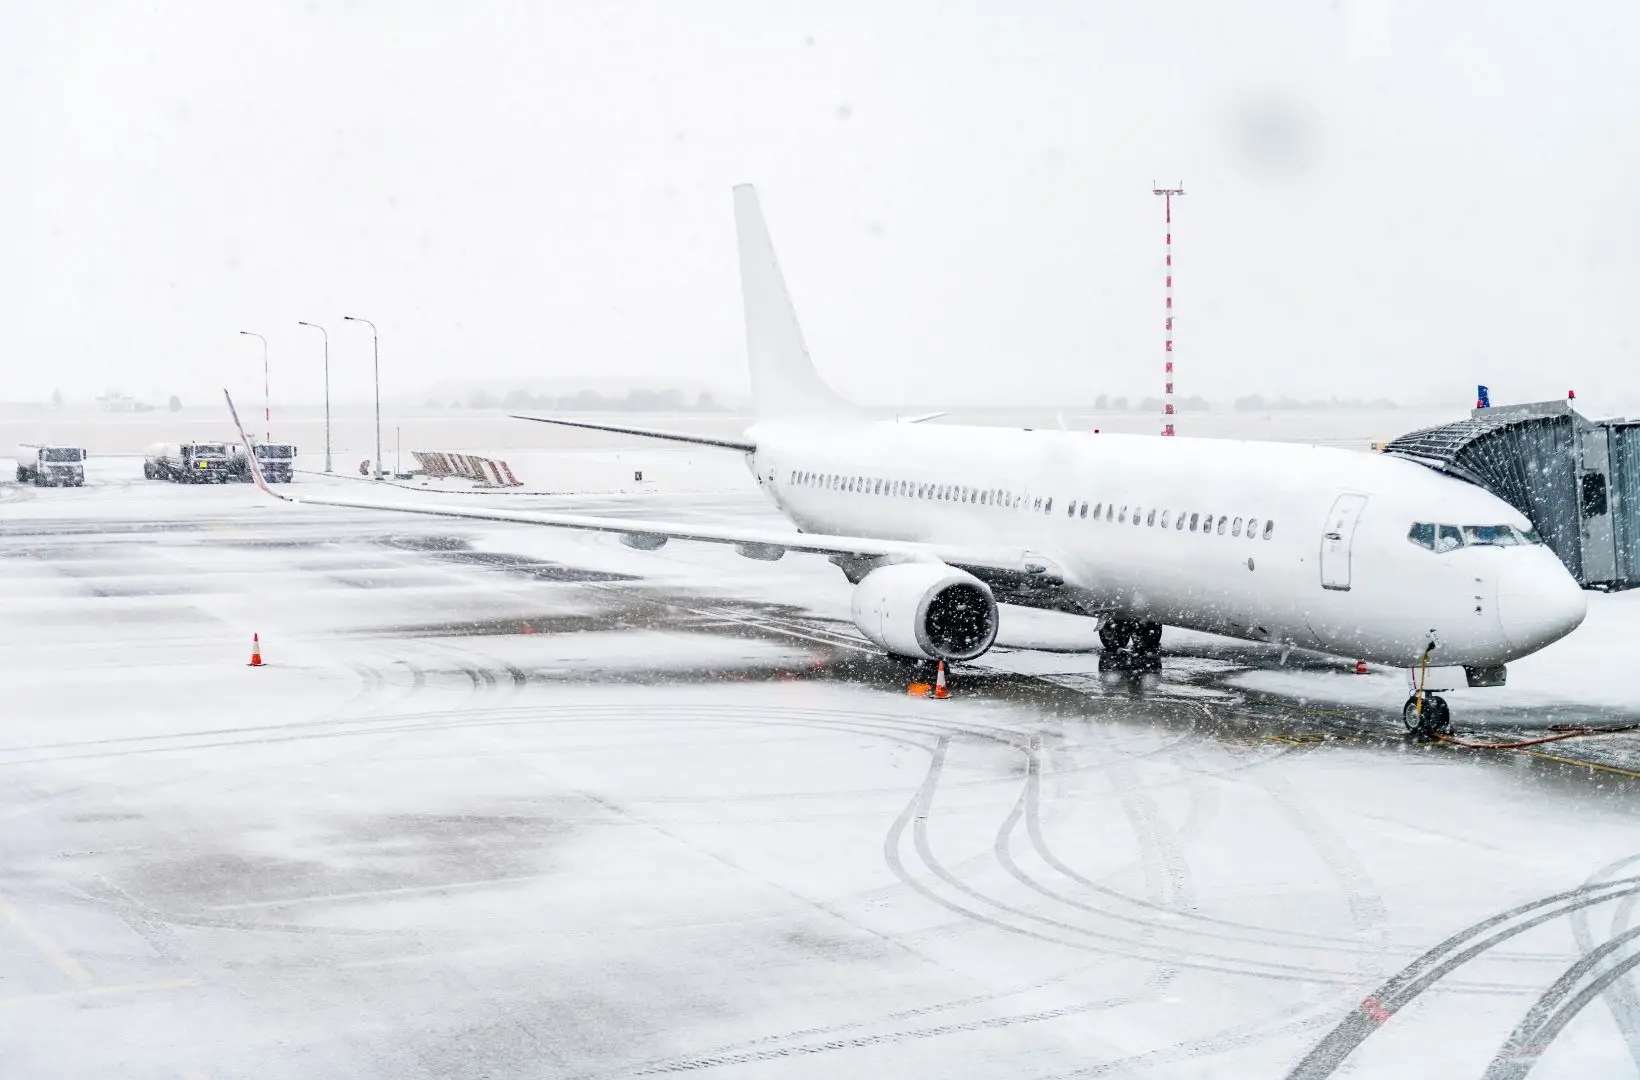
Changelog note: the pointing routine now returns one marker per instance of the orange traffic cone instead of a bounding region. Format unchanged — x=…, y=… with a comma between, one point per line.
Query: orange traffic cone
x=1361, y=667
x=256, y=650
x=939, y=690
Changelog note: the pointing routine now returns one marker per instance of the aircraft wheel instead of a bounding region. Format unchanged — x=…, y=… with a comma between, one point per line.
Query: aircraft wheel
x=1147, y=638
x=1435, y=718
x=1115, y=635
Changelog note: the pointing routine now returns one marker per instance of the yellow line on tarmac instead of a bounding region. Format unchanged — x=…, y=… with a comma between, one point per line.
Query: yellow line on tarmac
x=44, y=942
x=101, y=991
x=1630, y=773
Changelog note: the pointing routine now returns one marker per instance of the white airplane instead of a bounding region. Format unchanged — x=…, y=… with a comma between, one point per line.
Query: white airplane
x=1350, y=553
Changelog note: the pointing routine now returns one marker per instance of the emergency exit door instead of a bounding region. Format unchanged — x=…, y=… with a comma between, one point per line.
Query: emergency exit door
x=1336, y=539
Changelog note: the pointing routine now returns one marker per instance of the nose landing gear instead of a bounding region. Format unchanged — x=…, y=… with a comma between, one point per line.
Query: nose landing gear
x=1426, y=715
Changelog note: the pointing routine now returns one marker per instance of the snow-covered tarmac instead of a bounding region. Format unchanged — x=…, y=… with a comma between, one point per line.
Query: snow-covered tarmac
x=509, y=802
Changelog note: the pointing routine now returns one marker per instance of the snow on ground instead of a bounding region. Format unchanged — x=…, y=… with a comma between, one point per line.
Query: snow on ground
x=515, y=803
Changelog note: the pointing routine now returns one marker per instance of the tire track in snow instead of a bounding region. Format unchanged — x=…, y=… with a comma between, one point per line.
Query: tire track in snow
x=1620, y=996
x=1405, y=986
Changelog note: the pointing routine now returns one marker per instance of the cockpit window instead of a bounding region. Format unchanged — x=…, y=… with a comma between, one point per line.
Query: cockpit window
x=1491, y=535
x=1443, y=538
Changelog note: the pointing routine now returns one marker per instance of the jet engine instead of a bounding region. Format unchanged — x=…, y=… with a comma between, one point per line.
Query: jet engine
x=927, y=610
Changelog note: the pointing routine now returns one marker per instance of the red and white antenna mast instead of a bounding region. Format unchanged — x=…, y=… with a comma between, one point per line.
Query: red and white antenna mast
x=1167, y=210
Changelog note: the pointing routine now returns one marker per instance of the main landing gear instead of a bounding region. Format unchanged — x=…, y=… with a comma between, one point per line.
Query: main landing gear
x=1426, y=715
x=1130, y=646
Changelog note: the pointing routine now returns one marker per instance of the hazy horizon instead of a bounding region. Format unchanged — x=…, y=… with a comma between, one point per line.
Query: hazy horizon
x=1385, y=199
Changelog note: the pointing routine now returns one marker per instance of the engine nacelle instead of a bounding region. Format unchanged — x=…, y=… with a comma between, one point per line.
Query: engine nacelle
x=926, y=610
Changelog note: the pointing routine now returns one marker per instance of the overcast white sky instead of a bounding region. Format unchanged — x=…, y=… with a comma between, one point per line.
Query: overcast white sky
x=1385, y=197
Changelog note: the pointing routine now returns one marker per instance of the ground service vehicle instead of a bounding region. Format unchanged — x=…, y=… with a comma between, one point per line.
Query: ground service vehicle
x=189, y=463
x=50, y=466
x=276, y=460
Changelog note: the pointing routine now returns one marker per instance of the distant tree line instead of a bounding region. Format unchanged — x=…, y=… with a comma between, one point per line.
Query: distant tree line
x=588, y=401
x=1260, y=403
x=1106, y=403
x=1246, y=403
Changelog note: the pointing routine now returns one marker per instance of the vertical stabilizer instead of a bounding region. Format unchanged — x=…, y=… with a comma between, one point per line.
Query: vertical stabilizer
x=784, y=382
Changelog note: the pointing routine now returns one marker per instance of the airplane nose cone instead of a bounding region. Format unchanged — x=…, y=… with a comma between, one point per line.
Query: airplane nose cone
x=1539, y=604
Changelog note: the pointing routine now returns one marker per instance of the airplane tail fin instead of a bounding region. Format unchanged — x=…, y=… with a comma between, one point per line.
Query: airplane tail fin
x=784, y=382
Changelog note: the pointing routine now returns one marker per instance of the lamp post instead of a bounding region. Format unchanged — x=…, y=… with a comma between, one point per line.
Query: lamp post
x=326, y=333
x=267, y=408
x=376, y=362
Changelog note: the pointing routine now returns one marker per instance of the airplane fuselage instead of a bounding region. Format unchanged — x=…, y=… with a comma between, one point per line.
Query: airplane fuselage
x=1302, y=545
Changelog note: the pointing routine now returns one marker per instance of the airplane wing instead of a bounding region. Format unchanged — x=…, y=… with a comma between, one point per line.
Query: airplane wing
x=648, y=433
x=768, y=544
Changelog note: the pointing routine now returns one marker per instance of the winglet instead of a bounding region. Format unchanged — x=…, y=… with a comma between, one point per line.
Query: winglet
x=250, y=452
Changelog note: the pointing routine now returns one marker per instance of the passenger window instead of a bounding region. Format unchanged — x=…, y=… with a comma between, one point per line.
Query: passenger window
x=1150, y=519
x=1121, y=519
x=1098, y=508
x=1235, y=527
x=1193, y=519
x=1047, y=507
x=1422, y=533
x=1180, y=525
x=1084, y=510
x=1252, y=527
x=1037, y=505
x=1136, y=513
x=1222, y=520
x=1448, y=538
x=1110, y=511
x=1164, y=518
x=1269, y=527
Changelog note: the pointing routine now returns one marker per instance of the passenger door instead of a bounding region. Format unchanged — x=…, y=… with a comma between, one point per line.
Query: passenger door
x=1336, y=538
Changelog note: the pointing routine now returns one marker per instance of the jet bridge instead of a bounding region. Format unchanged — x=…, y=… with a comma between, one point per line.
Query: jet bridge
x=1576, y=479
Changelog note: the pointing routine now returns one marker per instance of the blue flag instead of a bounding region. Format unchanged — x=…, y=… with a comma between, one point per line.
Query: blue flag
x=1482, y=399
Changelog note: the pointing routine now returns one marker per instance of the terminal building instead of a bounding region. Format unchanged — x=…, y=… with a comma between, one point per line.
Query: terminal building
x=1578, y=480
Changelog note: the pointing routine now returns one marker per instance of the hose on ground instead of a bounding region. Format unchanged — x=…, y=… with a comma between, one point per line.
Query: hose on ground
x=1561, y=731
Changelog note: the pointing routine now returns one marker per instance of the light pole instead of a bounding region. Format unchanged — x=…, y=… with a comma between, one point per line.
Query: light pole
x=326, y=333
x=376, y=362
x=267, y=408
